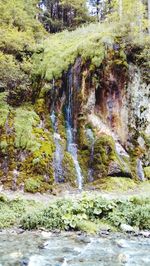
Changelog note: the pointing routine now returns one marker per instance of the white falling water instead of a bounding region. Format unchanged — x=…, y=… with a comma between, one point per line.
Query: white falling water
x=58, y=156
x=71, y=145
x=72, y=149
x=140, y=171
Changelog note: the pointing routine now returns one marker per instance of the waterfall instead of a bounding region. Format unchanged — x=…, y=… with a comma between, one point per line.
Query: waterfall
x=71, y=145
x=140, y=171
x=58, y=155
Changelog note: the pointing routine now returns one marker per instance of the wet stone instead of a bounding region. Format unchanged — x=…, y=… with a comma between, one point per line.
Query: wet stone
x=127, y=228
x=83, y=239
x=24, y=262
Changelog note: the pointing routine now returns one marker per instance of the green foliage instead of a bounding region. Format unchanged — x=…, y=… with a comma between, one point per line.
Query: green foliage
x=25, y=120
x=14, y=77
x=32, y=185
x=135, y=212
x=4, y=109
x=20, y=32
x=118, y=184
x=12, y=210
x=86, y=42
x=87, y=214
x=18, y=21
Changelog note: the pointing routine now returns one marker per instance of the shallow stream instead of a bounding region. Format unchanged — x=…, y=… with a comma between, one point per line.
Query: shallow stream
x=44, y=249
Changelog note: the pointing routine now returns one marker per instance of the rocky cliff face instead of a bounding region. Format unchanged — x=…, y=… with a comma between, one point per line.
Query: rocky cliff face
x=90, y=124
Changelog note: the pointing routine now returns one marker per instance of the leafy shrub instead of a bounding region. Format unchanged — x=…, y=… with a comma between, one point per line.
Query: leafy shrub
x=135, y=212
x=85, y=214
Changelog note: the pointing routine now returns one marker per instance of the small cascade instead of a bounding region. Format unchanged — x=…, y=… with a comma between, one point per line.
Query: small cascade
x=58, y=155
x=140, y=171
x=71, y=145
x=91, y=138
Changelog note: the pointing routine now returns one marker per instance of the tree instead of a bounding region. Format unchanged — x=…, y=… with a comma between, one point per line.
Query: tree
x=129, y=13
x=61, y=14
x=100, y=8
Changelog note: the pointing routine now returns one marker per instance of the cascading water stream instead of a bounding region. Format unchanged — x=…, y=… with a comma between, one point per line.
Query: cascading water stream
x=71, y=145
x=58, y=155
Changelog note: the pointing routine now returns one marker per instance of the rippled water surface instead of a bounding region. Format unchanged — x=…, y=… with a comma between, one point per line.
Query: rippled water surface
x=35, y=249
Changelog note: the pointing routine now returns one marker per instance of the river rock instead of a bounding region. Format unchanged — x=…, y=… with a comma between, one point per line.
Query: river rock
x=145, y=234
x=67, y=249
x=104, y=233
x=122, y=243
x=123, y=258
x=24, y=262
x=127, y=228
x=83, y=239
x=46, y=234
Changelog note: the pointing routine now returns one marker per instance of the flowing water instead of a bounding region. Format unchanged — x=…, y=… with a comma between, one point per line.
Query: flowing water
x=58, y=155
x=140, y=171
x=33, y=249
x=71, y=145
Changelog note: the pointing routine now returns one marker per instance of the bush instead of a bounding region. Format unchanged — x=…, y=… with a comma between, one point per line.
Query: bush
x=85, y=214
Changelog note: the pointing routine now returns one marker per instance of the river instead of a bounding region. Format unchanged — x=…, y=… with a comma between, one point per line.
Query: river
x=70, y=249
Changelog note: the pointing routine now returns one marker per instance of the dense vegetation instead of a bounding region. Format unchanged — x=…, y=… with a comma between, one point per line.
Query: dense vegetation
x=87, y=214
x=20, y=32
x=30, y=58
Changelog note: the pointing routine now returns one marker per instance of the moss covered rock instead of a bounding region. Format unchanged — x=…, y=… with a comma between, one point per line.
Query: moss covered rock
x=69, y=171
x=106, y=161
x=147, y=172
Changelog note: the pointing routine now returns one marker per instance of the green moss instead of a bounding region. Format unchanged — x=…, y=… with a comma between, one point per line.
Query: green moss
x=62, y=127
x=135, y=154
x=88, y=227
x=4, y=109
x=40, y=162
x=115, y=184
x=32, y=185
x=104, y=153
x=93, y=49
x=106, y=161
x=25, y=120
x=69, y=169
x=147, y=172
x=84, y=161
x=35, y=144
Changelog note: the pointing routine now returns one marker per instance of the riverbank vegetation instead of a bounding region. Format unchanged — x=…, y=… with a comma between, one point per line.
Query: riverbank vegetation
x=87, y=214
